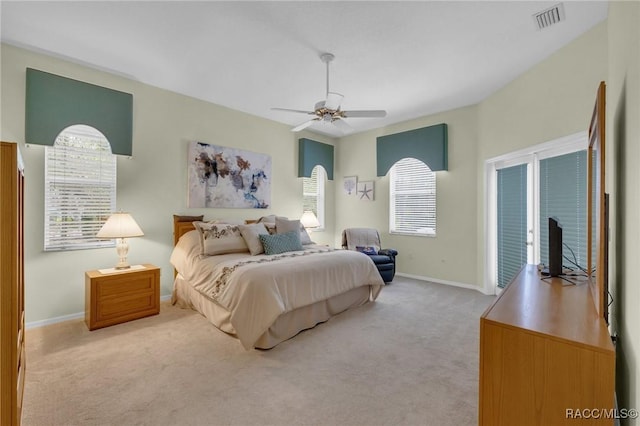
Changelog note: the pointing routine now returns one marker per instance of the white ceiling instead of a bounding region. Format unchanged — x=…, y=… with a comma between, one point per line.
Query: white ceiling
x=410, y=58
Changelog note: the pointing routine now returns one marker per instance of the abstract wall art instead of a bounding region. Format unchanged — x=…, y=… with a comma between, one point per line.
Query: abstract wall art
x=223, y=177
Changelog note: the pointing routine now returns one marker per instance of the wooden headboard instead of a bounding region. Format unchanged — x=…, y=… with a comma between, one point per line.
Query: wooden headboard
x=184, y=224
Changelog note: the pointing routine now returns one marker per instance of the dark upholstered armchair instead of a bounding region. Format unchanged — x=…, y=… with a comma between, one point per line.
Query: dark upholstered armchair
x=367, y=240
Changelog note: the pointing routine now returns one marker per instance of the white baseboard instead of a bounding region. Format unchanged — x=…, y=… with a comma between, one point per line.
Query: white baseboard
x=445, y=282
x=77, y=315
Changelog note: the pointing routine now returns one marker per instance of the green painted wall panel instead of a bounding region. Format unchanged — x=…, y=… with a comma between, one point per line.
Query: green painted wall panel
x=428, y=144
x=54, y=103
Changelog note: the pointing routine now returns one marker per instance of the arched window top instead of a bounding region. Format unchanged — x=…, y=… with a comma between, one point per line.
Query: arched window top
x=412, y=198
x=83, y=135
x=80, y=188
x=313, y=190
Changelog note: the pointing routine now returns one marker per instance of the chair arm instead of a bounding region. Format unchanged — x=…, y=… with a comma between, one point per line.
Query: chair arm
x=388, y=252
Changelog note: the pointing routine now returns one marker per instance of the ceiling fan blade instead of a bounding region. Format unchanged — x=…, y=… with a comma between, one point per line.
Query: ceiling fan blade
x=342, y=125
x=365, y=113
x=333, y=101
x=304, y=125
x=292, y=110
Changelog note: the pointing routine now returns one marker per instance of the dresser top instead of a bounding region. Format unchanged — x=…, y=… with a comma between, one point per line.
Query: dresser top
x=552, y=307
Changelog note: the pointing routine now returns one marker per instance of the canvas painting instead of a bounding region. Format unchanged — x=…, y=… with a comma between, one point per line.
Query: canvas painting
x=223, y=177
x=365, y=190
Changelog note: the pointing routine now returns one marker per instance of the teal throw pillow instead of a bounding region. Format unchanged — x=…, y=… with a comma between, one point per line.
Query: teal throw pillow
x=281, y=243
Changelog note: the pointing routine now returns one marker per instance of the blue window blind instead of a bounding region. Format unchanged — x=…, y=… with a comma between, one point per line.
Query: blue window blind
x=563, y=194
x=512, y=222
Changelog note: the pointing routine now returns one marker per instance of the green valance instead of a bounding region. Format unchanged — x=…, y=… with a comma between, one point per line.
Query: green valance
x=54, y=103
x=311, y=154
x=428, y=144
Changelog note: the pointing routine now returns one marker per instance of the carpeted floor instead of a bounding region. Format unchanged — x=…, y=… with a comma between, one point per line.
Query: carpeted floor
x=410, y=358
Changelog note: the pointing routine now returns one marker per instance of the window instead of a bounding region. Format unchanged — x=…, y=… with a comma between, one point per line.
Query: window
x=412, y=198
x=80, y=189
x=313, y=193
x=524, y=189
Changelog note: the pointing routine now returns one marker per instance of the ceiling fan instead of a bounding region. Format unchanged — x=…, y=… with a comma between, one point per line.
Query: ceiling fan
x=329, y=111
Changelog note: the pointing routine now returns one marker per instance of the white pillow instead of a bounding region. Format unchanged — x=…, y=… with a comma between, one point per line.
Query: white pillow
x=304, y=236
x=250, y=234
x=220, y=238
x=285, y=225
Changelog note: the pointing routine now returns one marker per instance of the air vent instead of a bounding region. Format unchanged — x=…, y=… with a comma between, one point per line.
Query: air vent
x=550, y=16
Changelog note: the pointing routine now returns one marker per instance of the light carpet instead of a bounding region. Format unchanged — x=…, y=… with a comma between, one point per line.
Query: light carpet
x=410, y=358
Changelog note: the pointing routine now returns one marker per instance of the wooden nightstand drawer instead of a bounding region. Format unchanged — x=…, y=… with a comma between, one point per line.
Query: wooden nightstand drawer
x=121, y=296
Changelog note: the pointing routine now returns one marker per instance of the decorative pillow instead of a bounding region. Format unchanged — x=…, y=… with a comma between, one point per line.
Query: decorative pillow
x=250, y=233
x=286, y=225
x=304, y=236
x=367, y=249
x=281, y=243
x=271, y=227
x=220, y=238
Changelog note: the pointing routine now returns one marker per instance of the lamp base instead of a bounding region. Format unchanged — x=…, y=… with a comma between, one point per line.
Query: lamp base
x=122, y=248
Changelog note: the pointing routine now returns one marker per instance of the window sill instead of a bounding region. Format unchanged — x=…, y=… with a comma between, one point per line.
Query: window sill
x=413, y=234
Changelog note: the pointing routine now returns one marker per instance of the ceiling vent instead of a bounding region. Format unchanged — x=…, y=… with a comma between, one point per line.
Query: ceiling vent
x=549, y=16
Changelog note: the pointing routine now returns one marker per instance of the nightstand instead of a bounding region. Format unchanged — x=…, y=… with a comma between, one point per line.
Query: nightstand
x=117, y=296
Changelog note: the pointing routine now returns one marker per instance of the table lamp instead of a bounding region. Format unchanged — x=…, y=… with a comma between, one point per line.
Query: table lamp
x=309, y=220
x=120, y=226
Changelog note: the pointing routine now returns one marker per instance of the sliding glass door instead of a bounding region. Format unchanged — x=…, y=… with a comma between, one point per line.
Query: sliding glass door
x=514, y=223
x=563, y=195
x=525, y=189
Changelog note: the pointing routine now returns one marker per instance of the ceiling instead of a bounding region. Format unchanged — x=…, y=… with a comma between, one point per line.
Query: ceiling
x=409, y=58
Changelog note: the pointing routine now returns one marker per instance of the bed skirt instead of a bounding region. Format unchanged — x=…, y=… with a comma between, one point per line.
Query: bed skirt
x=285, y=327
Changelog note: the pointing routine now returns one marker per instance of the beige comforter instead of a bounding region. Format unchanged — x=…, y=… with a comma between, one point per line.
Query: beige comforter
x=258, y=289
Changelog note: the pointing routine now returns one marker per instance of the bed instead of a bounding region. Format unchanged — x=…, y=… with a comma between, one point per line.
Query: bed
x=265, y=299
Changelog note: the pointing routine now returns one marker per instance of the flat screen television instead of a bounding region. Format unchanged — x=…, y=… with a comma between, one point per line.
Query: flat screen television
x=555, y=247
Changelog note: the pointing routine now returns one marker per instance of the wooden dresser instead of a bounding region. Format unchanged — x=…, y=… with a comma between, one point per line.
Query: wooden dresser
x=12, y=349
x=545, y=353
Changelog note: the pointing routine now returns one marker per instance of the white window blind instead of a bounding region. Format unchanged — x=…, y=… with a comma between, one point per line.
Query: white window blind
x=563, y=195
x=412, y=198
x=512, y=222
x=313, y=194
x=80, y=189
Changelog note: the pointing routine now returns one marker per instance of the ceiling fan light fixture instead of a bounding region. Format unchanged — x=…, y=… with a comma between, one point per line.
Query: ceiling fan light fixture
x=329, y=110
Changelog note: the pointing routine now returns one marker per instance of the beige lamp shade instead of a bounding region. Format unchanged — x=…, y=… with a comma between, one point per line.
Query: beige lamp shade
x=309, y=219
x=120, y=226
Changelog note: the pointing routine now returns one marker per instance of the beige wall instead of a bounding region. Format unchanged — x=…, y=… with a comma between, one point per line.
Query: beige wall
x=450, y=256
x=551, y=100
x=623, y=175
x=151, y=185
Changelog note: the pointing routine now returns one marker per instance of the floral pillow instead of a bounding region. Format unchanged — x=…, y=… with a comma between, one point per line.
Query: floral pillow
x=220, y=238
